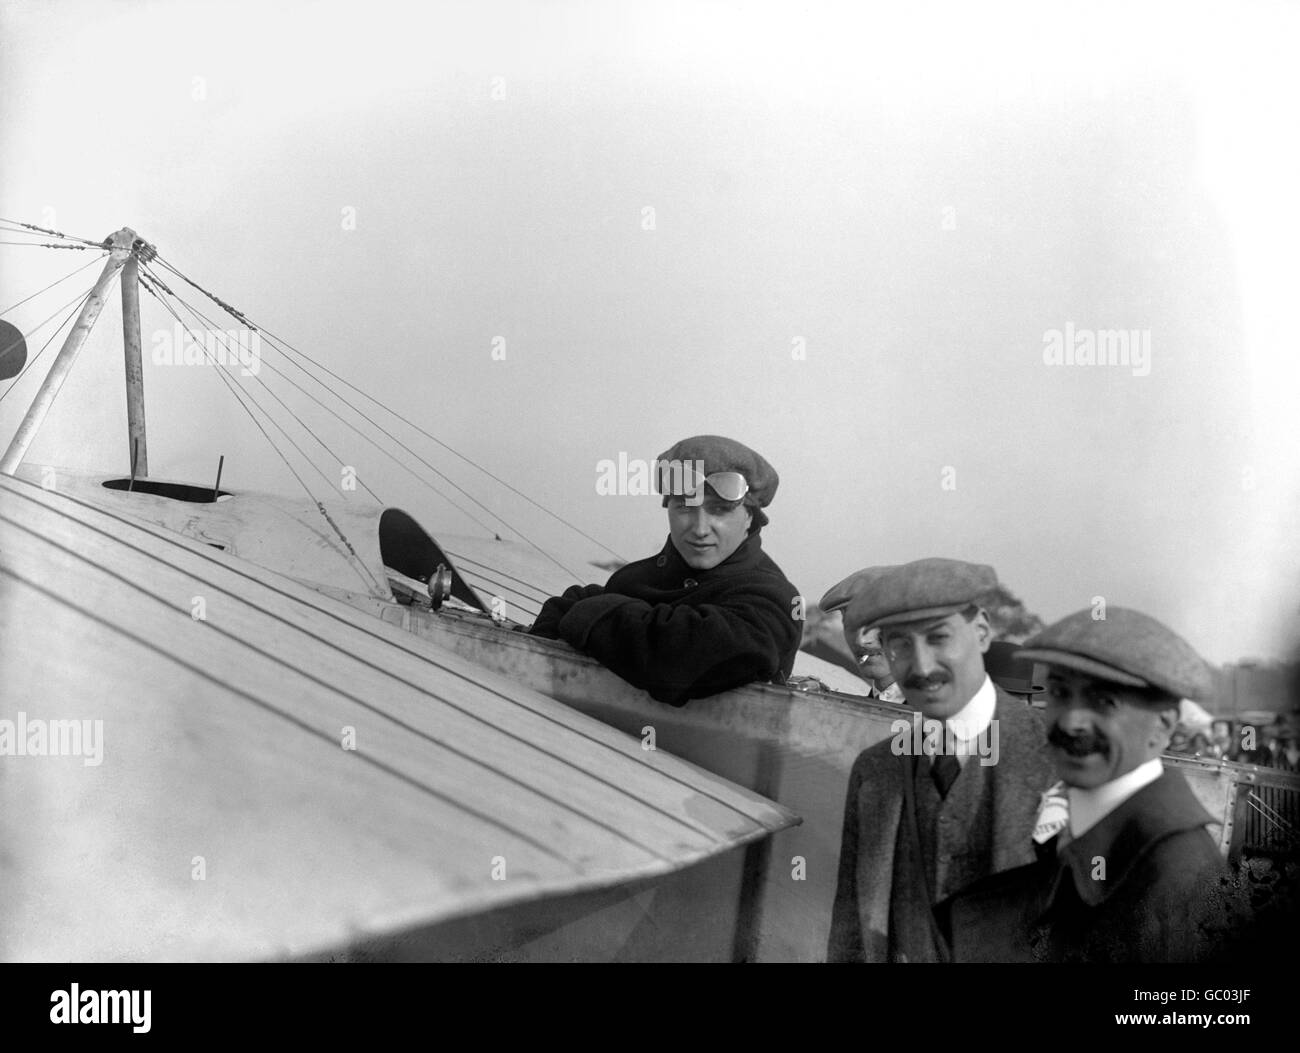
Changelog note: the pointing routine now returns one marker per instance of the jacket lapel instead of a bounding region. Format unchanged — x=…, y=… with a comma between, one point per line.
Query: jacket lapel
x=1021, y=775
x=880, y=809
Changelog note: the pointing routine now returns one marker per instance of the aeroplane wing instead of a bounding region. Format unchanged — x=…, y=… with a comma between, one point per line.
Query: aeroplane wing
x=202, y=760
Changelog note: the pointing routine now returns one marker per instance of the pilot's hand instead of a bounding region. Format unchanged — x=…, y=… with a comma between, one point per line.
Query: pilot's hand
x=554, y=609
x=548, y=618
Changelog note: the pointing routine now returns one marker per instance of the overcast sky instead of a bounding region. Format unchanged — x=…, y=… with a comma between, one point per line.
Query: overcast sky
x=842, y=235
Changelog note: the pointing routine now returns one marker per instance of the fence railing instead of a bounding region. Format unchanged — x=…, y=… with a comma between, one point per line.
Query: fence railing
x=1267, y=812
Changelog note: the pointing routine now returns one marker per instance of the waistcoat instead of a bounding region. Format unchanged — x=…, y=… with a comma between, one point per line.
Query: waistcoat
x=956, y=831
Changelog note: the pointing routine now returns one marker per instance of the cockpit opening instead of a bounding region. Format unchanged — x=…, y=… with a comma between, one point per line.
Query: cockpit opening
x=176, y=491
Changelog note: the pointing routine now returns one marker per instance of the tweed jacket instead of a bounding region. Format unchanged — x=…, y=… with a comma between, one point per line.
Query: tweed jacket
x=879, y=868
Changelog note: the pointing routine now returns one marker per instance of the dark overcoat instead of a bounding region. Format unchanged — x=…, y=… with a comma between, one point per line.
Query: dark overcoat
x=1145, y=884
x=682, y=633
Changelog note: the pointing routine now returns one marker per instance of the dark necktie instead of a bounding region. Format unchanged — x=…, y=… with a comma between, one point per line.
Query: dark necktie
x=944, y=770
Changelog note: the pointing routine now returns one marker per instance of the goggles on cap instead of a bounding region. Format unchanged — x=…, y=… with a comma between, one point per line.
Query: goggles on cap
x=679, y=479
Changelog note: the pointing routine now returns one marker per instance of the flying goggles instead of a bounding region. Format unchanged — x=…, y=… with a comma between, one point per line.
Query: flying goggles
x=683, y=480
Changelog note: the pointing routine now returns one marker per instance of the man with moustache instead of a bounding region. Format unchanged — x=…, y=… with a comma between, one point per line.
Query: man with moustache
x=1127, y=871
x=873, y=666
x=710, y=611
x=920, y=825
x=864, y=644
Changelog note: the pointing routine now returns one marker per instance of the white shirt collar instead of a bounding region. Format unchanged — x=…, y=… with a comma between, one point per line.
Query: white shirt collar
x=1089, y=807
x=973, y=719
x=892, y=693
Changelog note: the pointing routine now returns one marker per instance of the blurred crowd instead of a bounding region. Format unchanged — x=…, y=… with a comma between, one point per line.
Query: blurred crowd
x=1271, y=744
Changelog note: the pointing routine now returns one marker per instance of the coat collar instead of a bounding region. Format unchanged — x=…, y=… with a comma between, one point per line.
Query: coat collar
x=1018, y=786
x=1158, y=810
x=747, y=555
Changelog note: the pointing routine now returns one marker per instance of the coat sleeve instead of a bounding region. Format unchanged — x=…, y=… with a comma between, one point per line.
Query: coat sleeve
x=547, y=624
x=678, y=651
x=845, y=943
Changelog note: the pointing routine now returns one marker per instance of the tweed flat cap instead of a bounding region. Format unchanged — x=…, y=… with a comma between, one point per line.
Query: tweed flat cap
x=720, y=454
x=1126, y=647
x=838, y=596
x=926, y=588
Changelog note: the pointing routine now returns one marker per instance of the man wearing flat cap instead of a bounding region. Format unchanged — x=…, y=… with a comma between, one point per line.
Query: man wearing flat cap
x=1127, y=871
x=863, y=643
x=952, y=796
x=710, y=611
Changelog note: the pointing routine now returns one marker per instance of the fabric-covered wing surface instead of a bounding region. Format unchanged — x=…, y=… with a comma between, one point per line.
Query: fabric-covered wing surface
x=225, y=818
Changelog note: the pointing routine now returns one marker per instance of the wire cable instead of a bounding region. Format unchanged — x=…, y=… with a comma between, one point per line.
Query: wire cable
x=55, y=233
x=47, y=288
x=47, y=245
x=267, y=388
x=390, y=435
x=233, y=388
x=387, y=453
x=433, y=438
x=76, y=305
x=276, y=342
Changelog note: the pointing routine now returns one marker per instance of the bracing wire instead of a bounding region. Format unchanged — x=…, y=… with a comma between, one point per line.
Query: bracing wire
x=222, y=338
x=38, y=292
x=199, y=314
x=54, y=233
x=30, y=230
x=273, y=343
x=450, y=449
x=328, y=481
x=233, y=389
x=46, y=245
x=276, y=341
x=76, y=305
x=420, y=479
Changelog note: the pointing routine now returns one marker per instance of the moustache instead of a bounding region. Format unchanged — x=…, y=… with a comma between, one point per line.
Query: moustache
x=920, y=683
x=1080, y=745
